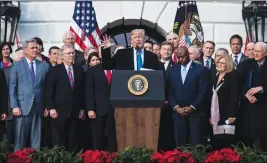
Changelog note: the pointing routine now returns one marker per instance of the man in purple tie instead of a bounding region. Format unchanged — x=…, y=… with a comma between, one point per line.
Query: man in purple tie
x=27, y=96
x=64, y=99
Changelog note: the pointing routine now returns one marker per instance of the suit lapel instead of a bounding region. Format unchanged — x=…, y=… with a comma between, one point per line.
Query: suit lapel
x=169, y=65
x=189, y=73
x=38, y=71
x=27, y=70
x=65, y=74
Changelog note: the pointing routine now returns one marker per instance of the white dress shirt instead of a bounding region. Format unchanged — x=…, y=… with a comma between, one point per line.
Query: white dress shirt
x=106, y=72
x=238, y=57
x=29, y=64
x=205, y=60
x=71, y=69
x=166, y=63
x=135, y=58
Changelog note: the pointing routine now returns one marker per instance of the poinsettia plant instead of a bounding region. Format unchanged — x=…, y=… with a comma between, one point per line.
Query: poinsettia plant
x=225, y=155
x=175, y=156
x=21, y=156
x=96, y=156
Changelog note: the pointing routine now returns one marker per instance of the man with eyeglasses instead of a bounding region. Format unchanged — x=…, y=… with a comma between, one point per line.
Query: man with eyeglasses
x=65, y=104
x=187, y=88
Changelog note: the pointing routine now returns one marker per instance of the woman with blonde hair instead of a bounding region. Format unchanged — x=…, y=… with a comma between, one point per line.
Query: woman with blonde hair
x=224, y=103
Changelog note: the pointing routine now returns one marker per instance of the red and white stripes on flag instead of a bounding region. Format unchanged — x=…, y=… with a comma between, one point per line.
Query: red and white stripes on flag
x=246, y=42
x=84, y=25
x=183, y=42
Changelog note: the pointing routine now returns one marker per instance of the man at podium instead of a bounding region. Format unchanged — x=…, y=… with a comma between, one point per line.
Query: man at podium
x=134, y=58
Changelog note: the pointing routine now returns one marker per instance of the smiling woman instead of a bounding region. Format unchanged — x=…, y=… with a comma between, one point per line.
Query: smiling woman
x=119, y=31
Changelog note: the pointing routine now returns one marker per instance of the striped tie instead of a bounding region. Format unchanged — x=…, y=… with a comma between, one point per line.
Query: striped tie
x=236, y=61
x=70, y=77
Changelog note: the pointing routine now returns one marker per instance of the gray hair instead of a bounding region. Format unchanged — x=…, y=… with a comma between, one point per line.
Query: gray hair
x=86, y=52
x=26, y=42
x=196, y=49
x=264, y=46
x=69, y=32
x=64, y=47
x=171, y=33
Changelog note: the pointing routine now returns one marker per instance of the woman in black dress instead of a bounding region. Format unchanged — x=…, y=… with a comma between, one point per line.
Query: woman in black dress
x=224, y=103
x=3, y=102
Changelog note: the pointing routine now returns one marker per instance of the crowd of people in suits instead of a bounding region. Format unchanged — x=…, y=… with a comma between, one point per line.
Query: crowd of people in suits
x=64, y=99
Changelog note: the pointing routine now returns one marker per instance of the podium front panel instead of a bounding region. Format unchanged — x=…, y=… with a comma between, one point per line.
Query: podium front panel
x=123, y=98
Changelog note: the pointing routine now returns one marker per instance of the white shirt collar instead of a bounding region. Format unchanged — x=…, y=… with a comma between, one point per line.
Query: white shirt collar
x=142, y=50
x=28, y=61
x=67, y=67
x=239, y=55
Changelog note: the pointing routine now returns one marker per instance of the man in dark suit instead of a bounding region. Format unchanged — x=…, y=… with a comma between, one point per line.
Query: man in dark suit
x=254, y=78
x=3, y=102
x=166, y=135
x=70, y=39
x=207, y=60
x=236, y=43
x=187, y=89
x=100, y=111
x=52, y=54
x=27, y=96
x=134, y=58
x=65, y=104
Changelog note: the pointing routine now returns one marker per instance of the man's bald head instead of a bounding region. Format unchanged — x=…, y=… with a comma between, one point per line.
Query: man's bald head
x=183, y=55
x=250, y=49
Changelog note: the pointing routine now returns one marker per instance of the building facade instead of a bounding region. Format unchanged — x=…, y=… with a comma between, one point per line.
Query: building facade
x=49, y=20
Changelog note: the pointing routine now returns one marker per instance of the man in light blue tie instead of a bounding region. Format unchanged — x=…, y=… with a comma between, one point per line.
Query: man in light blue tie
x=27, y=96
x=133, y=58
x=188, y=85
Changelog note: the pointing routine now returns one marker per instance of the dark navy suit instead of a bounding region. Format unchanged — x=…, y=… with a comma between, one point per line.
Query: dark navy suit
x=189, y=93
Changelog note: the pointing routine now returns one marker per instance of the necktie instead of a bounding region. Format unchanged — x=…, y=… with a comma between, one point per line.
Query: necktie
x=184, y=71
x=236, y=61
x=70, y=77
x=32, y=72
x=139, y=60
x=174, y=58
x=207, y=64
x=108, y=74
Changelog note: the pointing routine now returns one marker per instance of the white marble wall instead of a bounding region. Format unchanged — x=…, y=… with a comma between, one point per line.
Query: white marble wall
x=49, y=20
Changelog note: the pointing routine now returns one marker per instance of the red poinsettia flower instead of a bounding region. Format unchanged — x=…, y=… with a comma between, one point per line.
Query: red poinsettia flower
x=97, y=156
x=174, y=156
x=225, y=155
x=21, y=156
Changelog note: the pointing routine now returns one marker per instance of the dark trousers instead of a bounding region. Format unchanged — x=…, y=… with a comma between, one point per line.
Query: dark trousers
x=166, y=132
x=46, y=133
x=222, y=141
x=104, y=126
x=64, y=133
x=84, y=135
x=184, y=127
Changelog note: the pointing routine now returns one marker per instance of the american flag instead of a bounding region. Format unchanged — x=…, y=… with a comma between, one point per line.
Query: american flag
x=184, y=41
x=84, y=25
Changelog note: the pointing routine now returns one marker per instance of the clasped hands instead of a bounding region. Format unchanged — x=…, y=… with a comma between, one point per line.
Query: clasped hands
x=251, y=92
x=184, y=111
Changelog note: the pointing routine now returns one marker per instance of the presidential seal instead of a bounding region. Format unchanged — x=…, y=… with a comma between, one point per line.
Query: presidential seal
x=138, y=85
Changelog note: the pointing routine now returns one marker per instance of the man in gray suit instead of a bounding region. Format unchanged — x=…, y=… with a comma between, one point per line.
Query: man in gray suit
x=27, y=96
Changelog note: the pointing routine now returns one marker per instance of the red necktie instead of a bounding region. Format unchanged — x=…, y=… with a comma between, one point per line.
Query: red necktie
x=174, y=58
x=108, y=74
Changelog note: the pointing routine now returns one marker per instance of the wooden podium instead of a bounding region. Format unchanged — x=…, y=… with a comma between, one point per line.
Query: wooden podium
x=137, y=117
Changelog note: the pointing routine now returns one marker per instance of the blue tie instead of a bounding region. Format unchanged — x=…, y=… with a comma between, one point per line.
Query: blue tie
x=139, y=60
x=235, y=61
x=184, y=72
x=32, y=72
